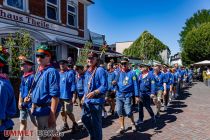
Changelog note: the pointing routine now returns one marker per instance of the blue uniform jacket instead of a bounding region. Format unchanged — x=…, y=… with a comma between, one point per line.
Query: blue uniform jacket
x=99, y=82
x=127, y=84
x=178, y=71
x=147, y=84
x=7, y=104
x=176, y=77
x=159, y=78
x=151, y=71
x=80, y=85
x=183, y=73
x=190, y=74
x=117, y=70
x=168, y=79
x=25, y=86
x=111, y=77
x=67, y=84
x=46, y=86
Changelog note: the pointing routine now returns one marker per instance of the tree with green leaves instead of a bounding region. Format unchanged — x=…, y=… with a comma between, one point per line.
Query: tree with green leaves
x=19, y=44
x=197, y=44
x=82, y=59
x=195, y=25
x=146, y=47
x=198, y=18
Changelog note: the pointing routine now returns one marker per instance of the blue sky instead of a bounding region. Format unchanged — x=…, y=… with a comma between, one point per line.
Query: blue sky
x=125, y=20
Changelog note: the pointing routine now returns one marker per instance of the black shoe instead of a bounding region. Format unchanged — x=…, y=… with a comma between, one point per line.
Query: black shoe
x=139, y=122
x=64, y=128
x=156, y=127
x=75, y=128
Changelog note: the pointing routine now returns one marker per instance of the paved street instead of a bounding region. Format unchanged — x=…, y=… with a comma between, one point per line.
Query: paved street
x=187, y=119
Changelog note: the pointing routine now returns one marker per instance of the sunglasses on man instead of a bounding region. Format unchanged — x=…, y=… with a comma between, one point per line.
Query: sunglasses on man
x=41, y=56
x=90, y=58
x=124, y=64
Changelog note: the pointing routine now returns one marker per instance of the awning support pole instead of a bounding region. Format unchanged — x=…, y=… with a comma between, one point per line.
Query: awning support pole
x=78, y=52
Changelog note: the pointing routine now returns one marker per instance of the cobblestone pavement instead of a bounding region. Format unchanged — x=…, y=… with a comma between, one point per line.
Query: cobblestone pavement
x=187, y=118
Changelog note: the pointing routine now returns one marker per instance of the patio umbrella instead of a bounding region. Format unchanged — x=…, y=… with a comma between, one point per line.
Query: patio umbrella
x=205, y=62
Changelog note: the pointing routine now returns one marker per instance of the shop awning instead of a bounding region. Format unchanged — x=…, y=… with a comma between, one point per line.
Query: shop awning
x=6, y=31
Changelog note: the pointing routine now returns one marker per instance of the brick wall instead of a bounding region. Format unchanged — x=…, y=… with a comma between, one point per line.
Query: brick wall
x=64, y=11
x=1, y=2
x=81, y=15
x=37, y=7
x=81, y=33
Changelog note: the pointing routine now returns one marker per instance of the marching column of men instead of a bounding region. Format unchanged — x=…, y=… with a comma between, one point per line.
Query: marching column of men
x=46, y=92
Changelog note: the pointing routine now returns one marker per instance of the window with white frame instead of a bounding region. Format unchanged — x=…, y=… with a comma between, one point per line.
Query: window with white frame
x=52, y=9
x=17, y=4
x=71, y=14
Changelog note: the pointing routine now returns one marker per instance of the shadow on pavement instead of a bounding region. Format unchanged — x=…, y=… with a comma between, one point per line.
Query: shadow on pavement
x=132, y=136
x=76, y=136
x=177, y=104
x=161, y=122
x=109, y=120
x=184, y=95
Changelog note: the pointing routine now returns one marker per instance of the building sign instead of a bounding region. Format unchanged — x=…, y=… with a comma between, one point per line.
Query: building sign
x=97, y=39
x=16, y=19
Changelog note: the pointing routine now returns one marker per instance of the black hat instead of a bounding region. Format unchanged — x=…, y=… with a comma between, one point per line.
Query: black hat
x=92, y=54
x=144, y=65
x=124, y=60
x=27, y=62
x=63, y=61
x=79, y=66
x=165, y=65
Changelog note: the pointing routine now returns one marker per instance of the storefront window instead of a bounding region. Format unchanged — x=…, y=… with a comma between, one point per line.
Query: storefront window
x=72, y=15
x=52, y=9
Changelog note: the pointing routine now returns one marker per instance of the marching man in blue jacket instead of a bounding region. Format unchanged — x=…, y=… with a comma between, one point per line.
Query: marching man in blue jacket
x=46, y=92
x=25, y=87
x=7, y=98
x=95, y=87
x=67, y=88
x=168, y=85
x=147, y=91
x=80, y=78
x=111, y=76
x=159, y=78
x=127, y=85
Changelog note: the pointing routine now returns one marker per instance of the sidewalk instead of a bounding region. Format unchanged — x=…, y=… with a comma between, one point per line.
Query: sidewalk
x=188, y=118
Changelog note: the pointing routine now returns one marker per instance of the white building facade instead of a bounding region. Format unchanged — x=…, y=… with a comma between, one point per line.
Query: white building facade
x=176, y=59
x=121, y=46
